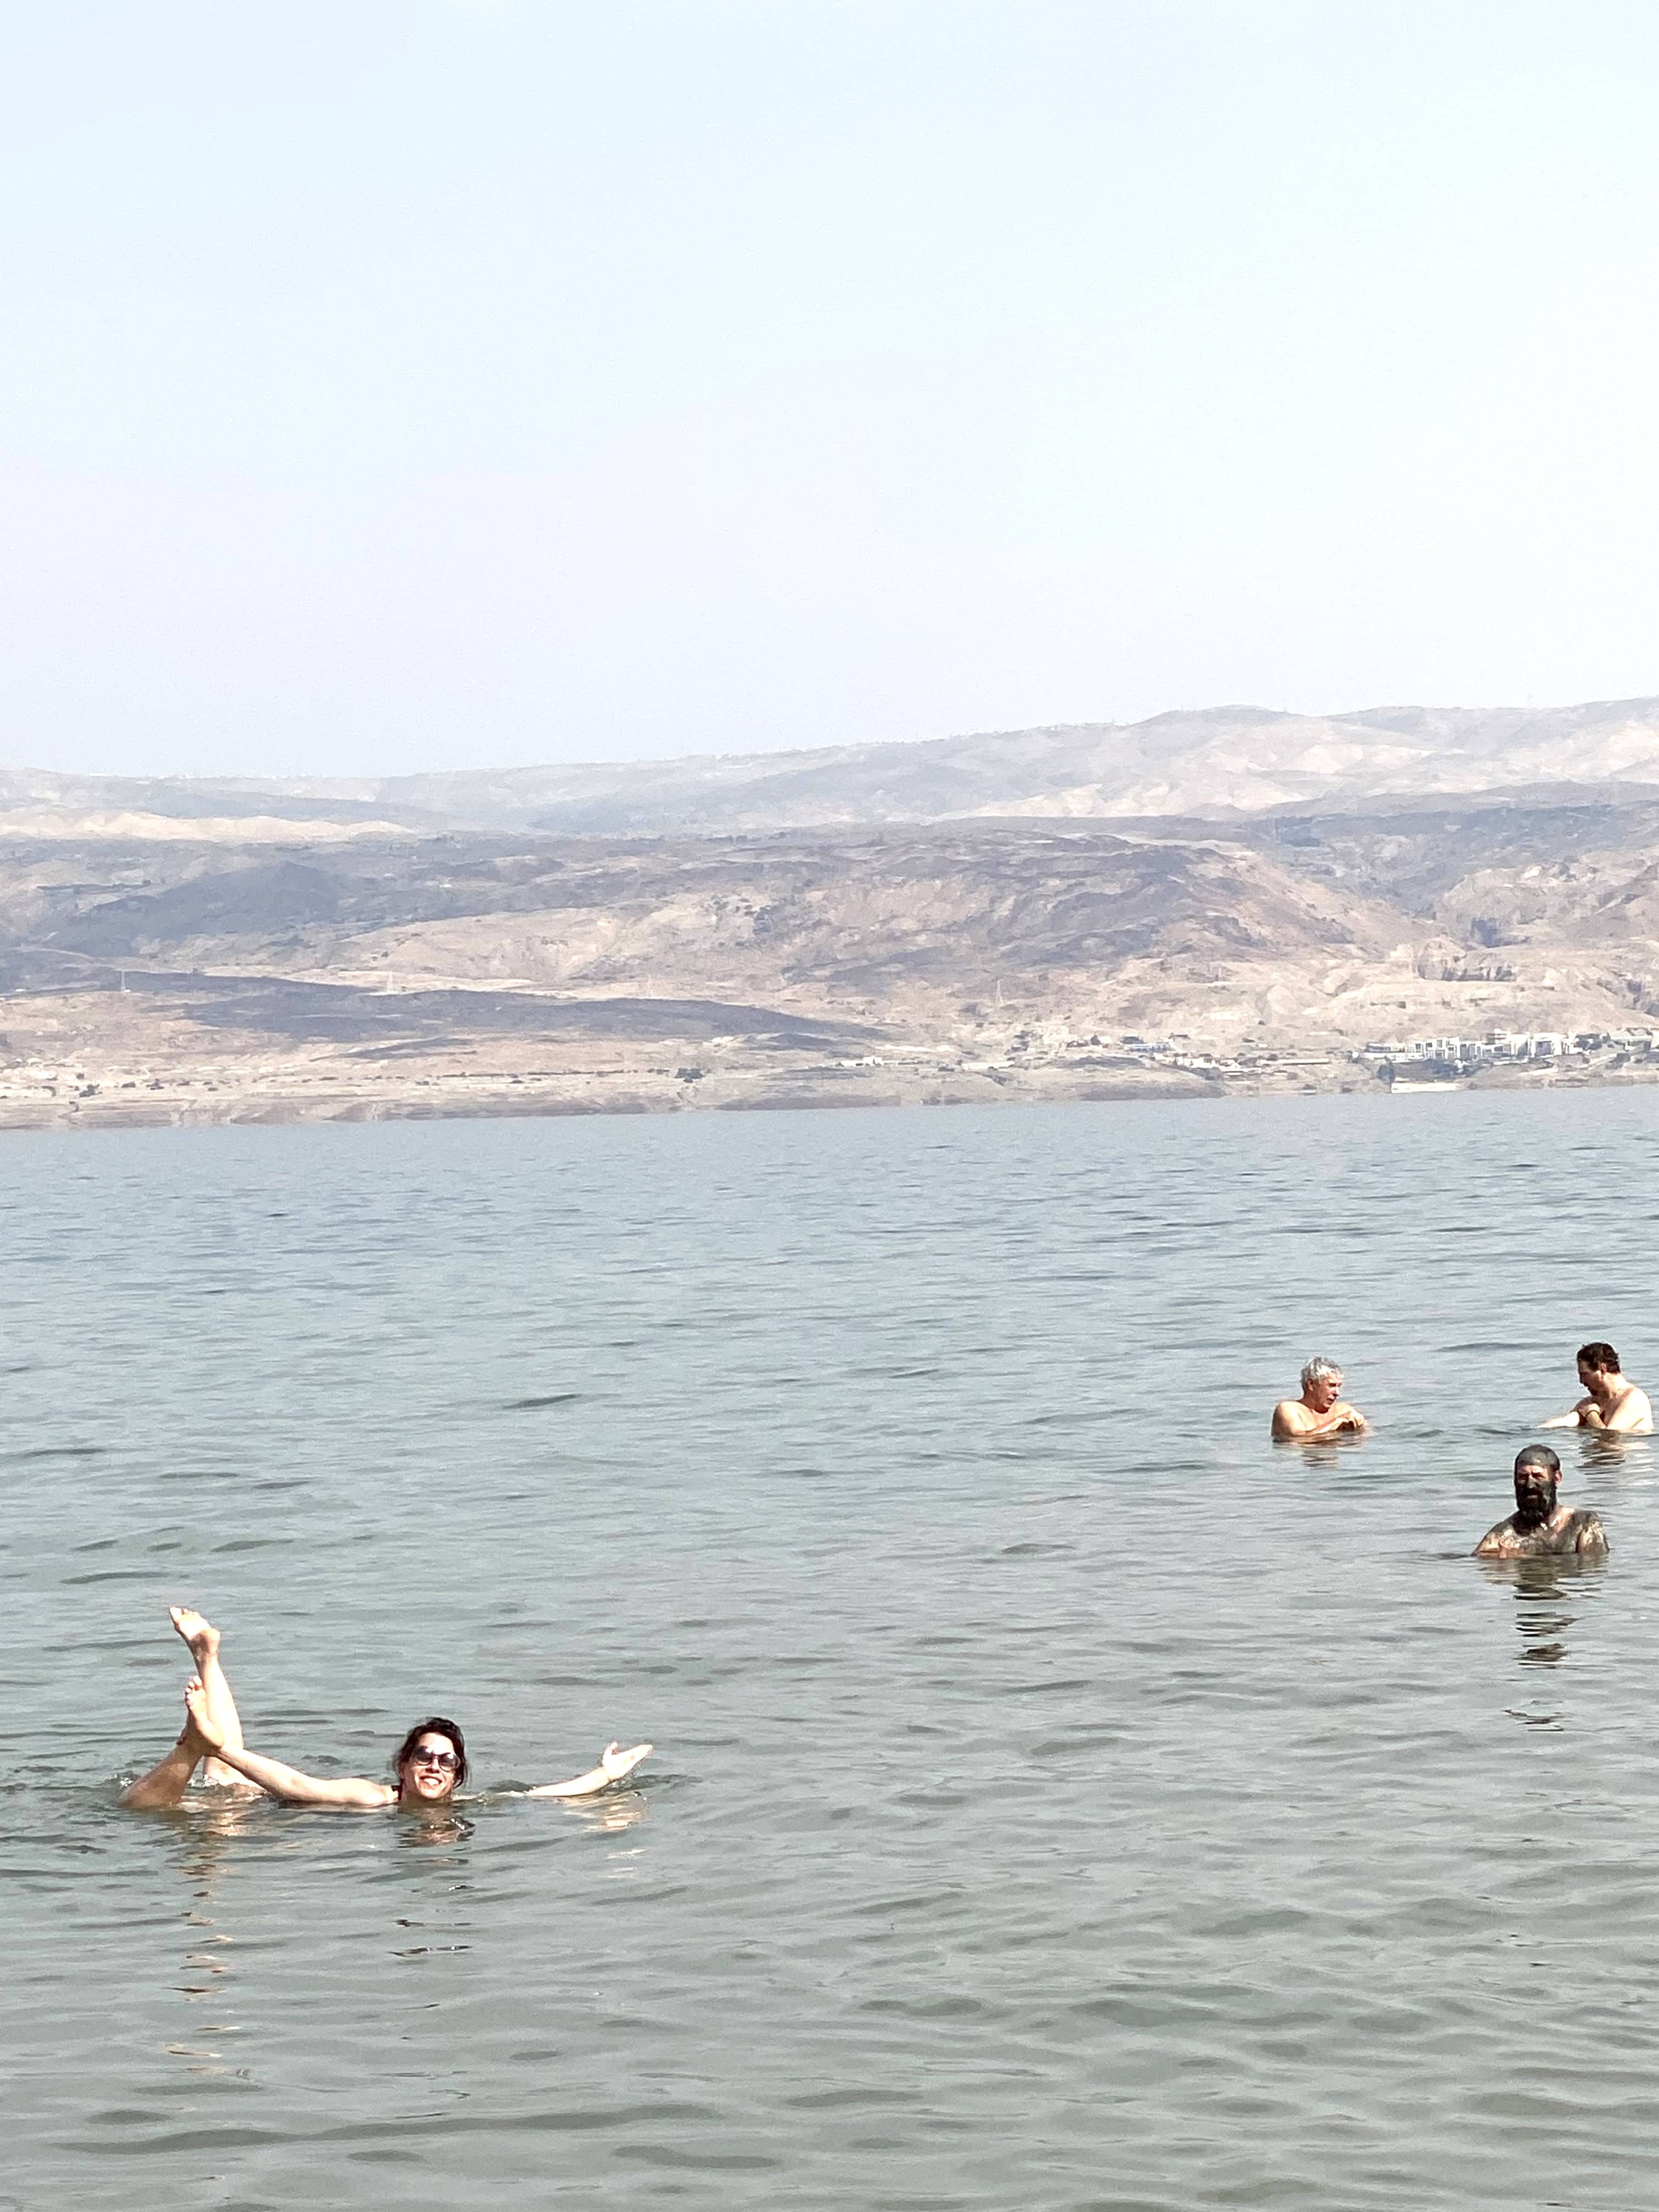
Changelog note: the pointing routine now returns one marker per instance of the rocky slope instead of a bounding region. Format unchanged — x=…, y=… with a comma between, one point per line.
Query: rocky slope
x=183, y=977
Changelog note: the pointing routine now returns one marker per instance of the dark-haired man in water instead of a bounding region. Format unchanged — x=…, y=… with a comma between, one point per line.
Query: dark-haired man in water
x=1539, y=1527
x=1610, y=1403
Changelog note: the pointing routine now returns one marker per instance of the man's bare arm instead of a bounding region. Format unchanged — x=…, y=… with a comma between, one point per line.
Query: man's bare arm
x=1342, y=1419
x=1586, y=1414
x=614, y=1765
x=352, y=1794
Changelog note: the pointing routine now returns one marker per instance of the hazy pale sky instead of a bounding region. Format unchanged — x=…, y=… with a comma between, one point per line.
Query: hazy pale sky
x=401, y=383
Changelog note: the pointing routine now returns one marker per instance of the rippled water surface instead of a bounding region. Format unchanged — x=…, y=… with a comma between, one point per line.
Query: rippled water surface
x=1062, y=1797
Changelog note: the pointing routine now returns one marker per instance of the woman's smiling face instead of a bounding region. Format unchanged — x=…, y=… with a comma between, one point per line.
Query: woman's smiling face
x=427, y=1774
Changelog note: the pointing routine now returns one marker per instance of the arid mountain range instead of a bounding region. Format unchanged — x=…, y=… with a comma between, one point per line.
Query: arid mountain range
x=1223, y=759
x=976, y=919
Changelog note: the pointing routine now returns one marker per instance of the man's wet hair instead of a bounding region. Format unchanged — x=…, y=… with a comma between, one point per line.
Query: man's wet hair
x=1537, y=1455
x=1317, y=1371
x=1601, y=1356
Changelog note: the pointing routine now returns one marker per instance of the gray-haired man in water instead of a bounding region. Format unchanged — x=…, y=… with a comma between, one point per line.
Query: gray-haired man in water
x=1320, y=1411
x=1539, y=1527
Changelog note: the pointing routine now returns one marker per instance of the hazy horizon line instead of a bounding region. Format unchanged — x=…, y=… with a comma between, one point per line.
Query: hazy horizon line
x=854, y=746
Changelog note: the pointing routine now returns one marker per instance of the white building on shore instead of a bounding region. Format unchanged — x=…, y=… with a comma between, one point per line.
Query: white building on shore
x=1506, y=1045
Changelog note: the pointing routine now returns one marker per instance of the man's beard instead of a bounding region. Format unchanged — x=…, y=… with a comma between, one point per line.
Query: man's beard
x=1535, y=1505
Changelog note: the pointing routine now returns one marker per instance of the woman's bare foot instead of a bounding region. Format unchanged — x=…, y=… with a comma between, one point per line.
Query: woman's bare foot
x=200, y=1635
x=191, y=1736
x=199, y=1721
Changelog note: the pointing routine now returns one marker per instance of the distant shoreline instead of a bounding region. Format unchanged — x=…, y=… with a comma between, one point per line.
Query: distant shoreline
x=309, y=1099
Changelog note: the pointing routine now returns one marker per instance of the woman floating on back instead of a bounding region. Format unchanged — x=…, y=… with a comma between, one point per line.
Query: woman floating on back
x=430, y=1765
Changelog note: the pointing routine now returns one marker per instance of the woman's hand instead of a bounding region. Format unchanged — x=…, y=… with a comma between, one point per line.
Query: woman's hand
x=616, y=1762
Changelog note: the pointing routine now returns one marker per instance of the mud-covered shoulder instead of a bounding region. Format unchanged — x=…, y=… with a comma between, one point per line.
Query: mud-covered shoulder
x=1588, y=1532
x=1499, y=1543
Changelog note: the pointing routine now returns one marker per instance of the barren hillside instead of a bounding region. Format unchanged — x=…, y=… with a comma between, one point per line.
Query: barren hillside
x=180, y=977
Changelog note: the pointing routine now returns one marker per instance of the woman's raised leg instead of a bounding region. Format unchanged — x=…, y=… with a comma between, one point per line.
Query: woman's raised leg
x=202, y=1638
x=168, y=1779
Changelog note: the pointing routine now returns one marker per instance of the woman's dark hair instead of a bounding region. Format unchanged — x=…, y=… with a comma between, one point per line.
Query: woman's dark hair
x=436, y=1726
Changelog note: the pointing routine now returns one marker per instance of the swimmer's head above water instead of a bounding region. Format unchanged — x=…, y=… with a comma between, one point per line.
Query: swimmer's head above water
x=1320, y=1411
x=1322, y=1383
x=1537, y=1479
x=1539, y=1525
x=1611, y=1400
x=431, y=1762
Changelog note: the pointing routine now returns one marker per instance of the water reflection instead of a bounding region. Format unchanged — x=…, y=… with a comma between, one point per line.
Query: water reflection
x=615, y=1810
x=1541, y=1615
x=610, y=1812
x=210, y=1828
x=1625, y=1458
x=1546, y=1609
x=431, y=1827
x=1324, y=1451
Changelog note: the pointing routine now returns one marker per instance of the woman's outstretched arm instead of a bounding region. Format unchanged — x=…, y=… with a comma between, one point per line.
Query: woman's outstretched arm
x=615, y=1764
x=352, y=1795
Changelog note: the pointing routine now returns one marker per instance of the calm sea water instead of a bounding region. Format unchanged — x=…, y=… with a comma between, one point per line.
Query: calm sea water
x=1062, y=1797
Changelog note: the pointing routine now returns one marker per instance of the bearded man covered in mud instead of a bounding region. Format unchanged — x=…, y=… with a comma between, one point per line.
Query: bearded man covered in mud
x=1539, y=1527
